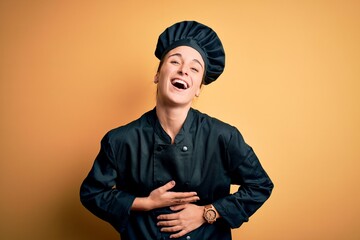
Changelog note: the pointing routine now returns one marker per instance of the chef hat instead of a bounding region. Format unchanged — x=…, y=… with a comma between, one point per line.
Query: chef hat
x=201, y=38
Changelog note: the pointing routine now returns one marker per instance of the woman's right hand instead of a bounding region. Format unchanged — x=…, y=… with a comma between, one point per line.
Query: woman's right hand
x=163, y=197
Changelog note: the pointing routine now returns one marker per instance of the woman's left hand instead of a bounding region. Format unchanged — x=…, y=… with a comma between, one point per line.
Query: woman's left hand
x=187, y=218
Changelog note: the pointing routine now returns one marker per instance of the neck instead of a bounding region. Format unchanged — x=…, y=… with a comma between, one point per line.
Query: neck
x=171, y=119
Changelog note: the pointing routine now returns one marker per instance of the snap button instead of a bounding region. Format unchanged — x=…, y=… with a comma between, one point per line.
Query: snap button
x=185, y=148
x=188, y=237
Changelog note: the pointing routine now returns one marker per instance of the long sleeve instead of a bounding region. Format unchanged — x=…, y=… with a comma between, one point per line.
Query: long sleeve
x=255, y=185
x=208, y=155
x=99, y=194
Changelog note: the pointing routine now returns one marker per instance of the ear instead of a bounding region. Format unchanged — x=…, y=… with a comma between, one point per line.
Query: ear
x=156, y=78
x=197, y=94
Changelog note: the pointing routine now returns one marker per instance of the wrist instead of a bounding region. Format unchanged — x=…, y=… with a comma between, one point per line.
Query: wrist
x=142, y=204
x=210, y=214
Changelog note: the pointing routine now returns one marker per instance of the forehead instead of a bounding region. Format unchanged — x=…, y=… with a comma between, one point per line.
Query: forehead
x=186, y=53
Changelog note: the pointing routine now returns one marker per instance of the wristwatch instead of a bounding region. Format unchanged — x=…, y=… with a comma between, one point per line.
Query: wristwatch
x=210, y=214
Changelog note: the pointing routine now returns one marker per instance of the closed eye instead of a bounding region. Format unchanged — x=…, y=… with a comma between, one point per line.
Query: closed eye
x=195, y=69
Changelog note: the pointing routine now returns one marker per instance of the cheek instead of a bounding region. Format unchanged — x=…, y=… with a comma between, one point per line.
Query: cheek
x=198, y=81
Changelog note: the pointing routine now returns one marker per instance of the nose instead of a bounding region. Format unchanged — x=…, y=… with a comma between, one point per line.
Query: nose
x=183, y=70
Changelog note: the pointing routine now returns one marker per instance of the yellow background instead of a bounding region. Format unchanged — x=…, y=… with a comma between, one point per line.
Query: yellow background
x=72, y=70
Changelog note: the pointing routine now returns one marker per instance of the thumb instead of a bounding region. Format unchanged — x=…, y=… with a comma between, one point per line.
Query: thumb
x=168, y=186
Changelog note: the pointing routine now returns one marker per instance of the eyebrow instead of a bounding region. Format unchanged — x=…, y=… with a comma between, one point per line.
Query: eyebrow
x=179, y=55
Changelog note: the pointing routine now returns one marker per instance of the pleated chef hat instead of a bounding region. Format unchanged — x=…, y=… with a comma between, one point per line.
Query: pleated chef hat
x=201, y=38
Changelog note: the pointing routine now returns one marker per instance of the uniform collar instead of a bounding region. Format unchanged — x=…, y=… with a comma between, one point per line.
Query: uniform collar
x=164, y=137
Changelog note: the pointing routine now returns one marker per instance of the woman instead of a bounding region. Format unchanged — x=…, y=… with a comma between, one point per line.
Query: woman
x=168, y=173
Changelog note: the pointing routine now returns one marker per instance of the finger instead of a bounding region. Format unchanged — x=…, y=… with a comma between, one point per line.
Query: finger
x=178, y=207
x=171, y=229
x=185, y=200
x=170, y=216
x=179, y=234
x=170, y=223
x=183, y=194
x=167, y=186
x=179, y=201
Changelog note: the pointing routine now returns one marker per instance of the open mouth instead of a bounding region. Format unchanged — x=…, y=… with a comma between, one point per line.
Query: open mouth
x=180, y=84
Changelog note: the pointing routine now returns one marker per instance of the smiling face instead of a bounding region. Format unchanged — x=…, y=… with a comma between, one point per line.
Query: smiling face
x=179, y=77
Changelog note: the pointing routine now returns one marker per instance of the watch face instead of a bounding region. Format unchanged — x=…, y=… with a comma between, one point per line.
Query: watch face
x=210, y=215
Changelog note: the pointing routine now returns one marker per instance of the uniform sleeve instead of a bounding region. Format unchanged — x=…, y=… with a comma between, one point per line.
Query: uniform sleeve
x=255, y=185
x=98, y=193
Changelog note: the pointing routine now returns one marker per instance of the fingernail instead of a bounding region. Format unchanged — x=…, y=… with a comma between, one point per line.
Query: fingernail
x=173, y=182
